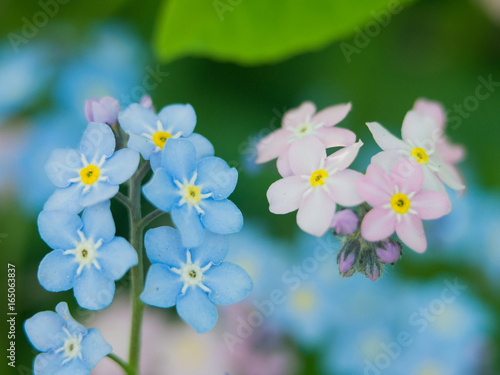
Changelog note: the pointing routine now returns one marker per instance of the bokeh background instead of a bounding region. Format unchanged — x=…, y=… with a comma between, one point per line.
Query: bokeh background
x=240, y=81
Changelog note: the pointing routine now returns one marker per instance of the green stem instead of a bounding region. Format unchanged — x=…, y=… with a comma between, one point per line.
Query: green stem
x=137, y=272
x=124, y=365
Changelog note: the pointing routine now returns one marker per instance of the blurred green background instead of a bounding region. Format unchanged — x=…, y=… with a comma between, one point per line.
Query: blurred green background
x=241, y=71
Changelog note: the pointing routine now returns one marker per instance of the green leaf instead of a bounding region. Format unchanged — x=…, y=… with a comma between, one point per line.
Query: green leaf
x=252, y=32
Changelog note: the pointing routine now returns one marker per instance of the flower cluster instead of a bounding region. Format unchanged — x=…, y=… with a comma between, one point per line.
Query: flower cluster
x=77, y=223
x=403, y=185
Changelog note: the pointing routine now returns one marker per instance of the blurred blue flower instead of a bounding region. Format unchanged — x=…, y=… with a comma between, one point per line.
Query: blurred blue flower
x=192, y=279
x=402, y=327
x=91, y=174
x=310, y=284
x=149, y=133
x=87, y=256
x=40, y=138
x=68, y=347
x=109, y=64
x=195, y=193
x=22, y=78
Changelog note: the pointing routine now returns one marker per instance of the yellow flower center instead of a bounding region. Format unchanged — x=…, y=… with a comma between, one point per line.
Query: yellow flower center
x=89, y=174
x=159, y=138
x=420, y=155
x=318, y=178
x=400, y=203
x=304, y=300
x=192, y=194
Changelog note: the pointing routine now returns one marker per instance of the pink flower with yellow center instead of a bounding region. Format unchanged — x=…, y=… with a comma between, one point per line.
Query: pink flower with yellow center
x=399, y=204
x=421, y=137
x=318, y=183
x=451, y=154
x=299, y=123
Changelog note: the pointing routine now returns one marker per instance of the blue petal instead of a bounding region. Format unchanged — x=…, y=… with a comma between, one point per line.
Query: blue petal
x=187, y=220
x=137, y=119
x=121, y=166
x=67, y=199
x=141, y=144
x=94, y=348
x=202, y=145
x=221, y=216
x=162, y=287
x=179, y=159
x=99, y=191
x=213, y=249
x=48, y=363
x=163, y=245
x=161, y=191
x=45, y=331
x=63, y=165
x=216, y=177
x=97, y=141
x=155, y=159
x=228, y=283
x=116, y=258
x=178, y=118
x=74, y=367
x=73, y=326
x=59, y=229
x=57, y=271
x=98, y=222
x=93, y=290
x=197, y=310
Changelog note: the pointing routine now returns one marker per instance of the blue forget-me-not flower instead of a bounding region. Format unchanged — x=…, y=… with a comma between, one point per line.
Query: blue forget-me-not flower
x=87, y=256
x=192, y=279
x=67, y=347
x=195, y=193
x=90, y=174
x=150, y=132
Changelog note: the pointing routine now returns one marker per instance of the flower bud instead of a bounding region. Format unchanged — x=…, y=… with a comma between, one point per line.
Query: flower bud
x=389, y=251
x=372, y=267
x=345, y=222
x=146, y=102
x=104, y=111
x=347, y=257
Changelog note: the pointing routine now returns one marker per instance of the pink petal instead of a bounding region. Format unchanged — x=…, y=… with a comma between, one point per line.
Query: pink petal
x=342, y=187
x=306, y=155
x=335, y=137
x=344, y=157
x=298, y=115
x=378, y=224
x=272, y=145
x=375, y=187
x=450, y=177
x=316, y=212
x=387, y=159
x=384, y=139
x=283, y=165
x=431, y=204
x=432, y=109
x=411, y=231
x=408, y=175
x=285, y=195
x=332, y=115
x=432, y=182
x=422, y=130
x=451, y=153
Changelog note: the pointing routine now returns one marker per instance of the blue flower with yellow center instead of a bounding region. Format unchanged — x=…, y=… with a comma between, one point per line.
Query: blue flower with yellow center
x=67, y=347
x=87, y=256
x=192, y=279
x=195, y=193
x=149, y=133
x=92, y=173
